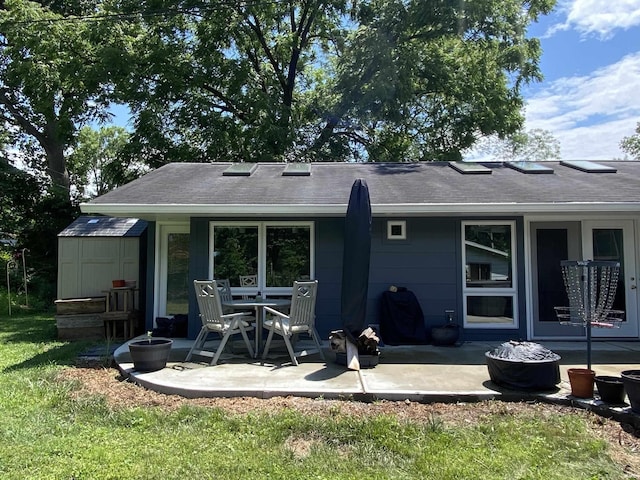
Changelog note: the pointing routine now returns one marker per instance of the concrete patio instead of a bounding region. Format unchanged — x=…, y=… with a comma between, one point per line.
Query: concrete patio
x=423, y=373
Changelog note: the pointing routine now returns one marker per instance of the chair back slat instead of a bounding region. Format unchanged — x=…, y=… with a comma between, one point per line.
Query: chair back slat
x=208, y=297
x=303, y=303
x=224, y=287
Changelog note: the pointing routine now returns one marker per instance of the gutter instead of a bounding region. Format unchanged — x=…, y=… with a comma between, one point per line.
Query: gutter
x=327, y=210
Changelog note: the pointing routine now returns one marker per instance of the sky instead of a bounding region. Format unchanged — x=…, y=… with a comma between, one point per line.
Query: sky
x=590, y=96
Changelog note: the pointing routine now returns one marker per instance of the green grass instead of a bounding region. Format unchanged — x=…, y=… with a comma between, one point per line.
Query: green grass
x=45, y=434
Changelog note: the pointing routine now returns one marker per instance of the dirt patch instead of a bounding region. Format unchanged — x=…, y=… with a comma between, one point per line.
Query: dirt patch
x=120, y=393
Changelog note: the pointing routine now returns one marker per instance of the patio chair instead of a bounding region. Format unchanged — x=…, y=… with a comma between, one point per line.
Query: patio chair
x=213, y=320
x=300, y=320
x=248, y=281
x=224, y=287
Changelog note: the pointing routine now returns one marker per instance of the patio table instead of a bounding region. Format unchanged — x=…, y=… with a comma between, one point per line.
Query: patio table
x=258, y=305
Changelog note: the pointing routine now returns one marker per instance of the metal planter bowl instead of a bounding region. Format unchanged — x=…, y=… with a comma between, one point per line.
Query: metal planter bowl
x=523, y=366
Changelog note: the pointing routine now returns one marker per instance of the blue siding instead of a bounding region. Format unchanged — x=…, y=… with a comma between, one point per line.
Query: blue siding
x=328, y=266
x=198, y=267
x=428, y=263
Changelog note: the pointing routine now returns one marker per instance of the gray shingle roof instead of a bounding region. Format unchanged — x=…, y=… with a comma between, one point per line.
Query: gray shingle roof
x=184, y=186
x=89, y=226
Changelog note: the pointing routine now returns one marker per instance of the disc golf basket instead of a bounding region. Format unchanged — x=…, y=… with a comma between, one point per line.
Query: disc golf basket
x=591, y=288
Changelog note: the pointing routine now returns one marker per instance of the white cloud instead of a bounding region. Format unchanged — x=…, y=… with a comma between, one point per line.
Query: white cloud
x=599, y=17
x=590, y=114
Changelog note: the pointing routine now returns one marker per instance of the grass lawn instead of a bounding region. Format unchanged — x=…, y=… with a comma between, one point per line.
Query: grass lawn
x=47, y=433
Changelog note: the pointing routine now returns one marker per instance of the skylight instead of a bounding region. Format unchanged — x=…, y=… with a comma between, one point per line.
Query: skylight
x=240, y=170
x=589, y=167
x=529, y=167
x=297, y=169
x=469, y=168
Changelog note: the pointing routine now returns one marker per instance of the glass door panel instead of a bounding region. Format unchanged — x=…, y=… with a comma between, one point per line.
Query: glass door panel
x=612, y=241
x=177, y=279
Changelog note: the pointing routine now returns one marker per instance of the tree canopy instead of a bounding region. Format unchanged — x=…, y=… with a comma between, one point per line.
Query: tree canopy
x=265, y=80
x=531, y=145
x=631, y=144
x=376, y=80
x=56, y=74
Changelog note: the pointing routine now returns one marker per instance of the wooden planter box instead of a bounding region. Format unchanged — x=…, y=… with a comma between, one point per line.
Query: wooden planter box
x=75, y=306
x=88, y=326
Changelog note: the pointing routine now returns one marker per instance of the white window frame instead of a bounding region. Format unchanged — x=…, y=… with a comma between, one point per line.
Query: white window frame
x=491, y=292
x=262, y=252
x=396, y=223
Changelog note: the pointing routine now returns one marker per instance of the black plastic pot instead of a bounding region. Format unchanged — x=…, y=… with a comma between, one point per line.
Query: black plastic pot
x=611, y=389
x=447, y=334
x=150, y=355
x=631, y=381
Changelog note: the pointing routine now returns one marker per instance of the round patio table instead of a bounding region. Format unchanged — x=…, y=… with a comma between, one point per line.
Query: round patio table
x=258, y=305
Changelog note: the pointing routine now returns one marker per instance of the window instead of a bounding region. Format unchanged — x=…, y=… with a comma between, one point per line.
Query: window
x=489, y=265
x=278, y=253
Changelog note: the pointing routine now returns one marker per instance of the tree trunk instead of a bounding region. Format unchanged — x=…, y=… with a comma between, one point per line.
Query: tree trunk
x=56, y=159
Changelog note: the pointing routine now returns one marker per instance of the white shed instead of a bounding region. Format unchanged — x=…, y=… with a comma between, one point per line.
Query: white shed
x=93, y=251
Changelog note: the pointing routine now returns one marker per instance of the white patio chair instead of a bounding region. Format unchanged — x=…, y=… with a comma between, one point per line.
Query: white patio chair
x=224, y=287
x=300, y=320
x=248, y=281
x=213, y=320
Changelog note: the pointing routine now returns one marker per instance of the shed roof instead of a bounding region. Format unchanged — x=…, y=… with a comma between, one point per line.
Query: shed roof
x=192, y=189
x=94, y=226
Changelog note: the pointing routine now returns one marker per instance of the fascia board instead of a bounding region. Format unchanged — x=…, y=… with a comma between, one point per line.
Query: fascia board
x=145, y=210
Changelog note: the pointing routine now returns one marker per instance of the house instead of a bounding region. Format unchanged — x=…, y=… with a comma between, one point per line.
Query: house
x=484, y=240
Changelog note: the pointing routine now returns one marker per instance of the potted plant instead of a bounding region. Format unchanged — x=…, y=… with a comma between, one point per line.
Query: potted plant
x=631, y=380
x=582, y=381
x=446, y=334
x=150, y=354
x=611, y=389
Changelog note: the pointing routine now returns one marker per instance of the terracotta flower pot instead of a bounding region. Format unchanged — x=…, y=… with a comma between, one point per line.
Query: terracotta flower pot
x=117, y=283
x=150, y=355
x=581, y=380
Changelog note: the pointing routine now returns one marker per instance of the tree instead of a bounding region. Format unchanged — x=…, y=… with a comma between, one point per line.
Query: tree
x=531, y=145
x=96, y=165
x=54, y=77
x=327, y=79
x=631, y=144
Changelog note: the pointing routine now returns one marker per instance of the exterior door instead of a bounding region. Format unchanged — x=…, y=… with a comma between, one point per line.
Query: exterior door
x=551, y=243
x=172, y=283
x=613, y=240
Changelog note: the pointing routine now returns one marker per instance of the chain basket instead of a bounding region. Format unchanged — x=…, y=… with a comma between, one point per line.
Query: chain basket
x=591, y=289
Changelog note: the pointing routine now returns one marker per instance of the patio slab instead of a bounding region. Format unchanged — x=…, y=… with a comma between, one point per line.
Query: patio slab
x=423, y=373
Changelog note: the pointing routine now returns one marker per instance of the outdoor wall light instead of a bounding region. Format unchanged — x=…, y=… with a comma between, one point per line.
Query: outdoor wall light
x=397, y=230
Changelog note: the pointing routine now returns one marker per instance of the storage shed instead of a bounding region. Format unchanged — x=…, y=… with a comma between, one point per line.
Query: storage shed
x=93, y=252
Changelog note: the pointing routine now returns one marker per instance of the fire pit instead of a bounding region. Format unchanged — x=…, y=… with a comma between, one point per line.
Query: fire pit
x=523, y=366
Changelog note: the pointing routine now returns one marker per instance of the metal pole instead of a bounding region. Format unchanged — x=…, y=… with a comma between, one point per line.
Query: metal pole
x=9, y=286
x=24, y=276
x=587, y=309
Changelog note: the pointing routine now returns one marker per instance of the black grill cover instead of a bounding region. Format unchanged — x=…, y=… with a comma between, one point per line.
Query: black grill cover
x=401, y=319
